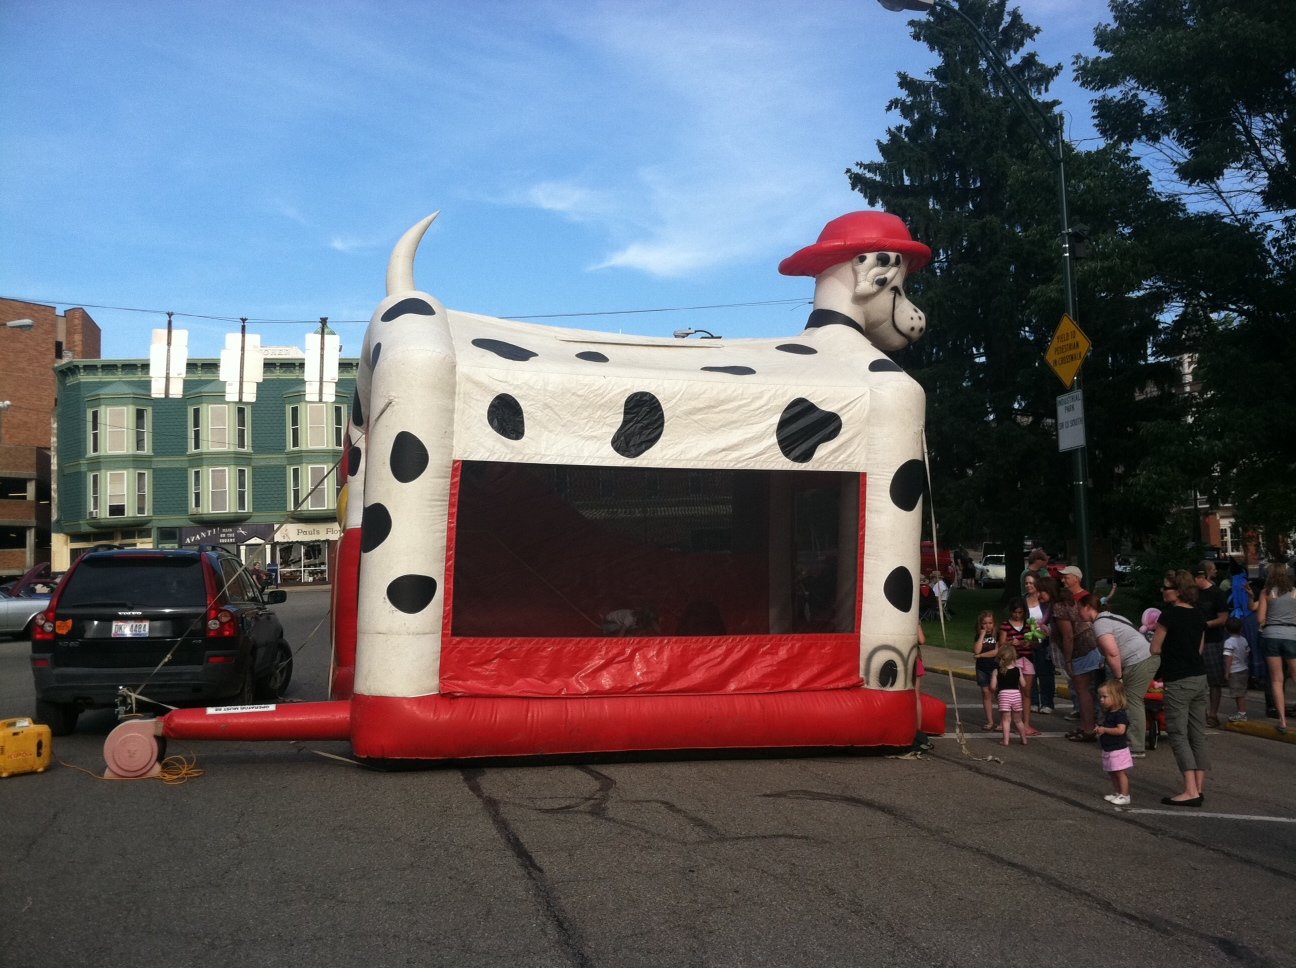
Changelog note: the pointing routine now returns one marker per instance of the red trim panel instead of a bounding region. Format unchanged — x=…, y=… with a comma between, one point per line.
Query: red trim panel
x=446, y=727
x=304, y=721
x=933, y=716
x=346, y=606
x=507, y=667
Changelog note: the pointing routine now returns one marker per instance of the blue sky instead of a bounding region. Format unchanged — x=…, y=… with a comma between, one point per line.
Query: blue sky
x=260, y=159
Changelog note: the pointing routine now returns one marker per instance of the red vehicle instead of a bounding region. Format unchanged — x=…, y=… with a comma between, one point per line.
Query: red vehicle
x=946, y=566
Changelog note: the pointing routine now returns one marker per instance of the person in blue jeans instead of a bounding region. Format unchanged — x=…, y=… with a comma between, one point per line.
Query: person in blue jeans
x=1040, y=593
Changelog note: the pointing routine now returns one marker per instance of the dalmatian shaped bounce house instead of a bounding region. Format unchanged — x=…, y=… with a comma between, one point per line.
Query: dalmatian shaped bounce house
x=561, y=541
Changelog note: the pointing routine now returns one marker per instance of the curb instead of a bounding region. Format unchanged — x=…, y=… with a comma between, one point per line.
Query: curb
x=1262, y=730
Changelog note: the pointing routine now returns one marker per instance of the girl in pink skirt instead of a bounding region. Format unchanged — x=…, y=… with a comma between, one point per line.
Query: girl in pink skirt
x=1113, y=737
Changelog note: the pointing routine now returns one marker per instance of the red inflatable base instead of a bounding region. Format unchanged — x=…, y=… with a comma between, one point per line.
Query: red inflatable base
x=454, y=728
x=441, y=727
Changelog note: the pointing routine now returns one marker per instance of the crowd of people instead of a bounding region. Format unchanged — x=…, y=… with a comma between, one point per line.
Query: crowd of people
x=1202, y=644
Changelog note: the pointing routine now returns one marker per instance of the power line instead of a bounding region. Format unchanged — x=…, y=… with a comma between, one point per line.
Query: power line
x=332, y=321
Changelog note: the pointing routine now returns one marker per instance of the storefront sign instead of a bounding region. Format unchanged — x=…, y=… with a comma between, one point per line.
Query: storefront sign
x=234, y=534
x=293, y=531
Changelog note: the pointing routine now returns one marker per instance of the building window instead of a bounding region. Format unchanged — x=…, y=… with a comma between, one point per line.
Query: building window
x=315, y=496
x=210, y=427
x=219, y=490
x=309, y=426
x=119, y=430
x=115, y=429
x=218, y=428
x=119, y=504
x=116, y=494
x=219, y=478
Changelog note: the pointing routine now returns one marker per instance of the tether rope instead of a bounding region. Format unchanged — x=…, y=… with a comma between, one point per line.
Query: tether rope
x=959, y=734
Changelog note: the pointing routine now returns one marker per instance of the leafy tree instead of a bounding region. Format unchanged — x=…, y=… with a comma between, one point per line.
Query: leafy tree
x=965, y=169
x=1205, y=92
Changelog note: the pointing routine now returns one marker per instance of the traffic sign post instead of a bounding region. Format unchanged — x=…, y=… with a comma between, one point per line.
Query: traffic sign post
x=1070, y=421
x=1066, y=354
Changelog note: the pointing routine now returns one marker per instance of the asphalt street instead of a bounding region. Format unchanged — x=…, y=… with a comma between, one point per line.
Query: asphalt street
x=972, y=854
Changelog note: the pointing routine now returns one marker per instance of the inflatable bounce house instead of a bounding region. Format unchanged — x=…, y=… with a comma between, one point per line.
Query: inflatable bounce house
x=569, y=542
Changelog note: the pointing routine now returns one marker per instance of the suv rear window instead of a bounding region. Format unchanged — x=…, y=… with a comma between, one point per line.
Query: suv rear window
x=164, y=582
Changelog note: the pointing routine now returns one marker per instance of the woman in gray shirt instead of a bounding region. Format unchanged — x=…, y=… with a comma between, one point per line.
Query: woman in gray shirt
x=1277, y=618
x=1129, y=658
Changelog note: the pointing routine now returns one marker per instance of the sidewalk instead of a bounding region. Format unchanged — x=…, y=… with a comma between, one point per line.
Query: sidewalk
x=961, y=666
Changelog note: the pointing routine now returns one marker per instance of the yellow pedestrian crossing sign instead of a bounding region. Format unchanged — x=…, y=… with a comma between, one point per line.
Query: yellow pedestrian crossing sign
x=1066, y=354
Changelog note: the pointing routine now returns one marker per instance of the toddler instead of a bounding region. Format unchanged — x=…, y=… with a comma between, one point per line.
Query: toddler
x=1237, y=666
x=1113, y=737
x=1005, y=682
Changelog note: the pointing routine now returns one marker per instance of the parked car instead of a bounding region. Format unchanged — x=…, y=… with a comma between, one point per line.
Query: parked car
x=927, y=558
x=17, y=612
x=186, y=627
x=991, y=571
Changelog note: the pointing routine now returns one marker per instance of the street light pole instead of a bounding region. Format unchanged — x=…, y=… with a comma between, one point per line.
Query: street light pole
x=1049, y=131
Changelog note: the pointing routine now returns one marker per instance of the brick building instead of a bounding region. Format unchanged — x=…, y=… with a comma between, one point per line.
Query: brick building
x=33, y=339
x=259, y=477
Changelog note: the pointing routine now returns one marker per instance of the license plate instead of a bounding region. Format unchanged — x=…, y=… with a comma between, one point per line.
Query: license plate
x=130, y=630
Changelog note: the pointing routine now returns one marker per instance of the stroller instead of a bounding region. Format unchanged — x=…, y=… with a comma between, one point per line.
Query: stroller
x=1154, y=705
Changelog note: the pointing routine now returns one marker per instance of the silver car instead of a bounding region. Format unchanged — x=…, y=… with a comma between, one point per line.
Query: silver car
x=16, y=614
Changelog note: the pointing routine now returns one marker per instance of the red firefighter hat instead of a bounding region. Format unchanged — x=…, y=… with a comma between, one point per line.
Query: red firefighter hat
x=852, y=234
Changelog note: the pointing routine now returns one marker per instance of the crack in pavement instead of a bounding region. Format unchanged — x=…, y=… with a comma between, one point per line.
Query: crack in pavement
x=1235, y=950
x=596, y=805
x=568, y=934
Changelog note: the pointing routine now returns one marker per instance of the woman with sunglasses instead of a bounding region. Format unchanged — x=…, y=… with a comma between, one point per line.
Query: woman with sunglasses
x=1180, y=640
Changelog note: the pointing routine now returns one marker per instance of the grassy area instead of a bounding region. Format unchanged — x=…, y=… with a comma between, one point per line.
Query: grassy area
x=966, y=604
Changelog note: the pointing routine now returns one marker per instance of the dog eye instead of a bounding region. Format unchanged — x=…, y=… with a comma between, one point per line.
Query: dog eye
x=884, y=258
x=861, y=259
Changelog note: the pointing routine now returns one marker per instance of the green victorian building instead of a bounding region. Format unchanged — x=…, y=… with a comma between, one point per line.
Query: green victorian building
x=260, y=478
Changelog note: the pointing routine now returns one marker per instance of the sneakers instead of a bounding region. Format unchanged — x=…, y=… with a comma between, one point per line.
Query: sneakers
x=1119, y=800
x=1238, y=718
x=1073, y=714
x=1046, y=710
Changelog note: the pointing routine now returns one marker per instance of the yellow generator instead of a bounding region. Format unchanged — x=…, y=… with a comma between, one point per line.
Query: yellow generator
x=25, y=747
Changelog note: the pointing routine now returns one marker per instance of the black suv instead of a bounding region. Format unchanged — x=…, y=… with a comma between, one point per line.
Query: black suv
x=117, y=615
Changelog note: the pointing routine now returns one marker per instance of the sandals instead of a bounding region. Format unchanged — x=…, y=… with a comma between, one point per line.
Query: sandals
x=1080, y=736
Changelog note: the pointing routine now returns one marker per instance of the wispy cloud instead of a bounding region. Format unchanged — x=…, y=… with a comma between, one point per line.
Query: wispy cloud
x=348, y=244
x=734, y=135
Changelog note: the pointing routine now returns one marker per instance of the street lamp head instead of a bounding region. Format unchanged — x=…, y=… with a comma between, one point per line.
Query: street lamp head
x=20, y=324
x=917, y=6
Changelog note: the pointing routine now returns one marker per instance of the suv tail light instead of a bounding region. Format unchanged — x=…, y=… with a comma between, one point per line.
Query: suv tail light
x=221, y=623
x=43, y=627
